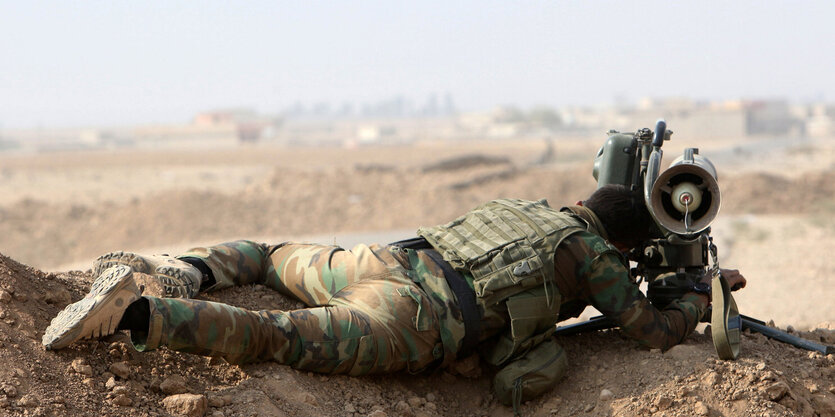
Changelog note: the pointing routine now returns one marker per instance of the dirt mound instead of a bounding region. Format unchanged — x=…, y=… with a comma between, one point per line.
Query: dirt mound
x=465, y=161
x=609, y=375
x=290, y=202
x=362, y=197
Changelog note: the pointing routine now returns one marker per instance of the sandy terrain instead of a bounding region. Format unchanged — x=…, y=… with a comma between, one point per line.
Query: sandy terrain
x=59, y=211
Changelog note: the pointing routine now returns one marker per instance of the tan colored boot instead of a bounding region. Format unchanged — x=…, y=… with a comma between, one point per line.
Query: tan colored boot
x=98, y=313
x=178, y=279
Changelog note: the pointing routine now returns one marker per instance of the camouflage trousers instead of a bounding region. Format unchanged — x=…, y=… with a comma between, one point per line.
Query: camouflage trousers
x=367, y=313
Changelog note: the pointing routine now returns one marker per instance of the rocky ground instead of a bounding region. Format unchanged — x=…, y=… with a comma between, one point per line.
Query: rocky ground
x=610, y=375
x=767, y=222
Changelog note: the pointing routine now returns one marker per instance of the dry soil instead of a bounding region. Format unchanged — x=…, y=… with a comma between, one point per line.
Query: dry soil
x=62, y=210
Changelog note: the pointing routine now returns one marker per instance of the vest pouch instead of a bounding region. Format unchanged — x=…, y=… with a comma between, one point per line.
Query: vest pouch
x=516, y=265
x=532, y=321
x=531, y=375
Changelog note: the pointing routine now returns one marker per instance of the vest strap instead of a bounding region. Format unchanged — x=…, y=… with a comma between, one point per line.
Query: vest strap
x=466, y=302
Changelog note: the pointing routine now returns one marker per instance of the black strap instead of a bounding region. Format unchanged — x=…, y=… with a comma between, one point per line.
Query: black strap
x=412, y=243
x=466, y=302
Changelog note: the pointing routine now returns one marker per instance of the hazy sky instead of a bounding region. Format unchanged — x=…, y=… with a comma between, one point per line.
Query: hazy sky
x=111, y=62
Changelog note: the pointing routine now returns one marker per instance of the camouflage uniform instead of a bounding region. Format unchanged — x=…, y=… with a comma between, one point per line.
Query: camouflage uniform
x=383, y=308
x=374, y=309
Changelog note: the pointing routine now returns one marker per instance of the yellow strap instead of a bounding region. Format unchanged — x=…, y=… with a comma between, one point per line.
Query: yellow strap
x=725, y=322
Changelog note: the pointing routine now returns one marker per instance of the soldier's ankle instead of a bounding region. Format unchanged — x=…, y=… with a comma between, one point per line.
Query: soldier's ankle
x=208, y=277
x=137, y=316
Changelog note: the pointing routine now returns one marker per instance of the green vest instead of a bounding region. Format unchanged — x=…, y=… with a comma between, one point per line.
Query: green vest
x=508, y=247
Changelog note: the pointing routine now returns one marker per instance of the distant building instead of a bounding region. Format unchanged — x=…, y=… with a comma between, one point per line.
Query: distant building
x=771, y=118
x=727, y=119
x=500, y=122
x=183, y=136
x=63, y=139
x=821, y=121
x=375, y=133
x=249, y=125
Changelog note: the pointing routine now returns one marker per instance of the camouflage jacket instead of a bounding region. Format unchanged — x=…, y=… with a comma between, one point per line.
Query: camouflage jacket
x=587, y=271
x=590, y=271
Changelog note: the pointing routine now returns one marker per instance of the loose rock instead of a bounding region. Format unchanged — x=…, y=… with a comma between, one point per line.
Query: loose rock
x=777, y=390
x=174, y=384
x=403, y=408
x=5, y=297
x=309, y=399
x=80, y=366
x=701, y=409
x=10, y=390
x=710, y=379
x=216, y=401
x=606, y=395
x=120, y=389
x=191, y=405
x=58, y=296
x=28, y=400
x=120, y=369
x=663, y=403
x=122, y=400
x=682, y=352
x=467, y=367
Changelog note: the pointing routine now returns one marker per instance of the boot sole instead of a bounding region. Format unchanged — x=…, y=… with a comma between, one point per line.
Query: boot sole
x=113, y=286
x=112, y=259
x=169, y=277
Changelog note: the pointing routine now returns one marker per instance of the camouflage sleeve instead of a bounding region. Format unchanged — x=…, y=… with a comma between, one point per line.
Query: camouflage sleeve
x=611, y=291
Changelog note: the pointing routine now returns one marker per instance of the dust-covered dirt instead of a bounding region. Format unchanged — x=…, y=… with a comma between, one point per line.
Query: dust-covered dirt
x=776, y=226
x=609, y=375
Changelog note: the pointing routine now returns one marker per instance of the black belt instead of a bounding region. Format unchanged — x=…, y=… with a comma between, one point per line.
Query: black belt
x=463, y=293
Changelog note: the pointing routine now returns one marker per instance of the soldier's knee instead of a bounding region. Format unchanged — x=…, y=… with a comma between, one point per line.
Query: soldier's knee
x=531, y=375
x=333, y=339
x=355, y=356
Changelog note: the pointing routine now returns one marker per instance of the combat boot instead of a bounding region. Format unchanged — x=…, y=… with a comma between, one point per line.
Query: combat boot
x=98, y=313
x=177, y=278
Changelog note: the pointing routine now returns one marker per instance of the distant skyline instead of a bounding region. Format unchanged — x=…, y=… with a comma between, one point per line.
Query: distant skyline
x=104, y=63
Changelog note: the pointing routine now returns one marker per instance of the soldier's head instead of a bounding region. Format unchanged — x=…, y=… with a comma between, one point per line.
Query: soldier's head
x=623, y=213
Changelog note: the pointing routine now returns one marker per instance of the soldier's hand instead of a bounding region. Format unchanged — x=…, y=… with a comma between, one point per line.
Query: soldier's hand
x=734, y=278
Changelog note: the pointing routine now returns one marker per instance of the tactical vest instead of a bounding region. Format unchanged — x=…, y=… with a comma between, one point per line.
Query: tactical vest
x=508, y=247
